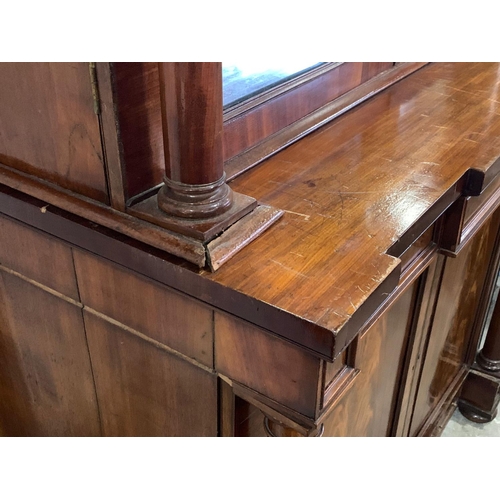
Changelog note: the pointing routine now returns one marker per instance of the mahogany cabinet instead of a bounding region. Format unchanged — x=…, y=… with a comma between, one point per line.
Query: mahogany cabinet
x=341, y=292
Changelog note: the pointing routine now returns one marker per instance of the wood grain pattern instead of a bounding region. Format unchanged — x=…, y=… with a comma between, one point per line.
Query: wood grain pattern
x=330, y=111
x=247, y=129
x=49, y=127
x=459, y=296
x=353, y=188
x=425, y=305
x=144, y=391
x=98, y=213
x=191, y=100
x=160, y=313
x=315, y=268
x=46, y=384
x=37, y=256
x=368, y=407
x=137, y=88
x=110, y=137
x=266, y=364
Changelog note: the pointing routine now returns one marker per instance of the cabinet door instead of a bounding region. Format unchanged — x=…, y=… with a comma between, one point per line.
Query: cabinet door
x=46, y=384
x=369, y=406
x=454, y=320
x=49, y=127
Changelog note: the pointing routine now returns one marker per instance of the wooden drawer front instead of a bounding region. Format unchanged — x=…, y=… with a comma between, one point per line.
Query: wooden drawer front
x=37, y=256
x=266, y=364
x=46, y=384
x=143, y=390
x=153, y=309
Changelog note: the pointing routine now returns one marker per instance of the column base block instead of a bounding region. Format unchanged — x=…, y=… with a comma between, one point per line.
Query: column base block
x=221, y=237
x=479, y=398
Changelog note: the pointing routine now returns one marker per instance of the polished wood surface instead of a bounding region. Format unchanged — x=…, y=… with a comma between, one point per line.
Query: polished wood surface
x=310, y=122
x=49, y=127
x=291, y=260
x=244, y=130
x=137, y=91
x=425, y=305
x=357, y=186
x=46, y=380
x=116, y=173
x=479, y=397
x=480, y=394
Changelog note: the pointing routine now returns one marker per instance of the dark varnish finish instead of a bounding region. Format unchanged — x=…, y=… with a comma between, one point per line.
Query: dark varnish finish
x=489, y=356
x=182, y=323
x=18, y=241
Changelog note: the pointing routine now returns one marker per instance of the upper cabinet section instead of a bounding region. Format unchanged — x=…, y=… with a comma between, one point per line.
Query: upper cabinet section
x=48, y=125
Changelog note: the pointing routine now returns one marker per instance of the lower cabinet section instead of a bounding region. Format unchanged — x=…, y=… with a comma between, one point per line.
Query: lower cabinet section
x=105, y=351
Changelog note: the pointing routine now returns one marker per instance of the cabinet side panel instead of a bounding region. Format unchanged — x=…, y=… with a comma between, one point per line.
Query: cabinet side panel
x=37, y=256
x=145, y=391
x=49, y=128
x=46, y=385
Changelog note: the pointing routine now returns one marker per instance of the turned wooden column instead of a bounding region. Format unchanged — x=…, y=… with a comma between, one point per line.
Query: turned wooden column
x=480, y=396
x=489, y=356
x=207, y=222
x=191, y=97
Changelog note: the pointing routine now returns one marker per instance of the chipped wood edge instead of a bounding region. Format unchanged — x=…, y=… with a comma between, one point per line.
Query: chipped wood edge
x=240, y=234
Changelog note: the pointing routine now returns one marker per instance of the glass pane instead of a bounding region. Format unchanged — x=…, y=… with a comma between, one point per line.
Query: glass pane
x=244, y=80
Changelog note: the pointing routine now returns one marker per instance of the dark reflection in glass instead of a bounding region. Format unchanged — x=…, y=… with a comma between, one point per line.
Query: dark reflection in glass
x=244, y=80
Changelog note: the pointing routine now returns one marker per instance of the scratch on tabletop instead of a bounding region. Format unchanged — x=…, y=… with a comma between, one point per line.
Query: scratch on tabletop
x=289, y=268
x=306, y=217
